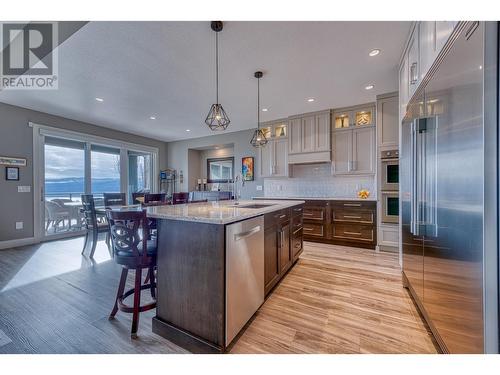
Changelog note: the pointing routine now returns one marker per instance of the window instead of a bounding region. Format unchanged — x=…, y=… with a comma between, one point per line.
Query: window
x=220, y=169
x=104, y=170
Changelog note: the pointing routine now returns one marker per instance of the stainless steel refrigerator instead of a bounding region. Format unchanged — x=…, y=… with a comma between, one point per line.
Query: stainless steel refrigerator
x=448, y=193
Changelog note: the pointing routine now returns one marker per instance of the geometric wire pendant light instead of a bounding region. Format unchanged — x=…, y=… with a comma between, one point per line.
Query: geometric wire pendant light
x=217, y=118
x=259, y=138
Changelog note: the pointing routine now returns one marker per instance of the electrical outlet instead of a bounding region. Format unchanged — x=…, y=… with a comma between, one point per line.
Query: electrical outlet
x=23, y=189
x=19, y=225
x=259, y=187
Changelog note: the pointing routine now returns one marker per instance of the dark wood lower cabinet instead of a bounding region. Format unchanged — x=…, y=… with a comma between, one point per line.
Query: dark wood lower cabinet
x=282, y=244
x=338, y=222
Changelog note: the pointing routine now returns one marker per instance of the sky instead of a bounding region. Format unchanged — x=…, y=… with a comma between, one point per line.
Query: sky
x=65, y=162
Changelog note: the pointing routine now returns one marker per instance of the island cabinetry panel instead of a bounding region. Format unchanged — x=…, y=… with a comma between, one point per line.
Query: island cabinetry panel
x=296, y=237
x=271, y=258
x=191, y=281
x=316, y=220
x=354, y=223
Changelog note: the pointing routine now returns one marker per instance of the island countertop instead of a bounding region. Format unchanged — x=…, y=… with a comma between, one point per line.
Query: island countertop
x=369, y=199
x=220, y=212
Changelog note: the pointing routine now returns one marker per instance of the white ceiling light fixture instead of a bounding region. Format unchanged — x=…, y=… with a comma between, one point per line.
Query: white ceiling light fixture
x=100, y=100
x=369, y=87
x=310, y=100
x=374, y=52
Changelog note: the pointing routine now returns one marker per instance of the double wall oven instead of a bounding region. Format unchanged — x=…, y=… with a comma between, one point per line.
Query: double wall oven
x=390, y=186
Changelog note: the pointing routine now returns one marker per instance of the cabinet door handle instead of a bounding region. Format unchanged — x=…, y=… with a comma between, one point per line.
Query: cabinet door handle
x=413, y=73
x=353, y=233
x=352, y=217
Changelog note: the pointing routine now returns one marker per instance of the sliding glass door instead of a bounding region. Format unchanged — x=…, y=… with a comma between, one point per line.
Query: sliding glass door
x=69, y=164
x=64, y=182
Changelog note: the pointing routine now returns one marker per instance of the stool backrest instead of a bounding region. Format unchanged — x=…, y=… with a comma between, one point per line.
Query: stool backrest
x=88, y=209
x=126, y=236
x=159, y=197
x=135, y=196
x=114, y=199
x=180, y=198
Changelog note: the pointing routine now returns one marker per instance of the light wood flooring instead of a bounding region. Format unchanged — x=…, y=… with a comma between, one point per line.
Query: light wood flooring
x=335, y=300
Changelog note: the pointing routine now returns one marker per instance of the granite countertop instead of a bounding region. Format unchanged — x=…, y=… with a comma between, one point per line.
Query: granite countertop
x=221, y=212
x=369, y=199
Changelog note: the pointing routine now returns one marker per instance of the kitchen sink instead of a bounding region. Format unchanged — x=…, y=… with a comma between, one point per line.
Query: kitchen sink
x=253, y=205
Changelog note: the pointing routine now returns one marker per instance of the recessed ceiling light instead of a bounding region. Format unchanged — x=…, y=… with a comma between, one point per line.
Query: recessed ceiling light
x=152, y=118
x=310, y=100
x=480, y=67
x=264, y=109
x=99, y=99
x=369, y=87
x=188, y=130
x=374, y=52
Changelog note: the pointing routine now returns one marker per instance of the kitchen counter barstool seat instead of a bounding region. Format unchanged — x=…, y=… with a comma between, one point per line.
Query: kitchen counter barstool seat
x=132, y=250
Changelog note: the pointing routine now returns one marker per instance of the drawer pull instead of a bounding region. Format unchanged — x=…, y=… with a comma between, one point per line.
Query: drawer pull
x=352, y=217
x=353, y=233
x=282, y=216
x=297, y=230
x=306, y=214
x=352, y=204
x=297, y=209
x=308, y=229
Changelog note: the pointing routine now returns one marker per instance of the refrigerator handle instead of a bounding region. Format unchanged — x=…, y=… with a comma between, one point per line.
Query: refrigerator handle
x=413, y=178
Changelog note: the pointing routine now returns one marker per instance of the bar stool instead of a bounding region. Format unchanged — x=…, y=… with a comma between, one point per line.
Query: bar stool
x=93, y=226
x=132, y=250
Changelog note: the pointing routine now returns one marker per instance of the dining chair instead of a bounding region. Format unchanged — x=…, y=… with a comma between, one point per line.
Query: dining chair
x=114, y=199
x=132, y=250
x=93, y=226
x=180, y=198
x=55, y=214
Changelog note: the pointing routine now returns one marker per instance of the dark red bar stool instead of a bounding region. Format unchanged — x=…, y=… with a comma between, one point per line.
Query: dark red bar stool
x=180, y=198
x=133, y=250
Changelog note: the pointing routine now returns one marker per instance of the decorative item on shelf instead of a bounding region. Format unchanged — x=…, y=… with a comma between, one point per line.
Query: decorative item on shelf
x=199, y=185
x=363, y=194
x=181, y=177
x=204, y=184
x=259, y=138
x=217, y=118
x=282, y=131
x=247, y=168
x=15, y=162
x=12, y=173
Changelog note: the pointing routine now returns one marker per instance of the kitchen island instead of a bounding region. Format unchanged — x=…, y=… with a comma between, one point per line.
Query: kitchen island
x=214, y=263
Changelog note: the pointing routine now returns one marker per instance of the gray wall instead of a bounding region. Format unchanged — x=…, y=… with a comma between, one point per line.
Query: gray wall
x=16, y=140
x=178, y=156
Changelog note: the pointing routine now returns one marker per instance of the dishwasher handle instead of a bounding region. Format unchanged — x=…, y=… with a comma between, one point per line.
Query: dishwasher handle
x=248, y=233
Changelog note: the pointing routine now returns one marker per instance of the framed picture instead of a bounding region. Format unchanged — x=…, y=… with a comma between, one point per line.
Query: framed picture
x=12, y=173
x=19, y=162
x=247, y=168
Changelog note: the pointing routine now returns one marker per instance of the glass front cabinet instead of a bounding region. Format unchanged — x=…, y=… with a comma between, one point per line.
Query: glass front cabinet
x=354, y=117
x=274, y=156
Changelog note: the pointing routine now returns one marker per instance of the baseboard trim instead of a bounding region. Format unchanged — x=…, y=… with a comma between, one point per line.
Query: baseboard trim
x=16, y=243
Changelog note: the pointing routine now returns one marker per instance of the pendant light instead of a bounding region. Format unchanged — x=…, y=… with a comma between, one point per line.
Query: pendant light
x=217, y=118
x=259, y=138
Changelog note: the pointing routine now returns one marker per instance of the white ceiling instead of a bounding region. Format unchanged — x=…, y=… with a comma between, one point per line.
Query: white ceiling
x=166, y=70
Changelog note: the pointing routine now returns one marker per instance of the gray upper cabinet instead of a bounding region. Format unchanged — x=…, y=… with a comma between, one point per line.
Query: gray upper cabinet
x=354, y=140
x=387, y=121
x=342, y=151
x=295, y=136
x=426, y=41
x=274, y=156
x=309, y=138
x=413, y=62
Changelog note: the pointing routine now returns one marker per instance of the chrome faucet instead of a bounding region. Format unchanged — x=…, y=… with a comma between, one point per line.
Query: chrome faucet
x=238, y=180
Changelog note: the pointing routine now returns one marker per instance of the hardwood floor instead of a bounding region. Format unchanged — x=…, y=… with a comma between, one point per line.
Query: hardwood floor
x=335, y=300
x=339, y=300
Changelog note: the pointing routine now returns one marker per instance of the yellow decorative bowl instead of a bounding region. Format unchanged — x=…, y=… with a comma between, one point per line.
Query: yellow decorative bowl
x=363, y=194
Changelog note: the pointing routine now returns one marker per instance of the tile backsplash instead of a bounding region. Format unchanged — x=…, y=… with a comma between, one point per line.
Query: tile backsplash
x=315, y=180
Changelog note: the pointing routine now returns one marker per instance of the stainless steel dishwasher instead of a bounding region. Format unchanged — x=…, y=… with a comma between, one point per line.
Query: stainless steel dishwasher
x=244, y=273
